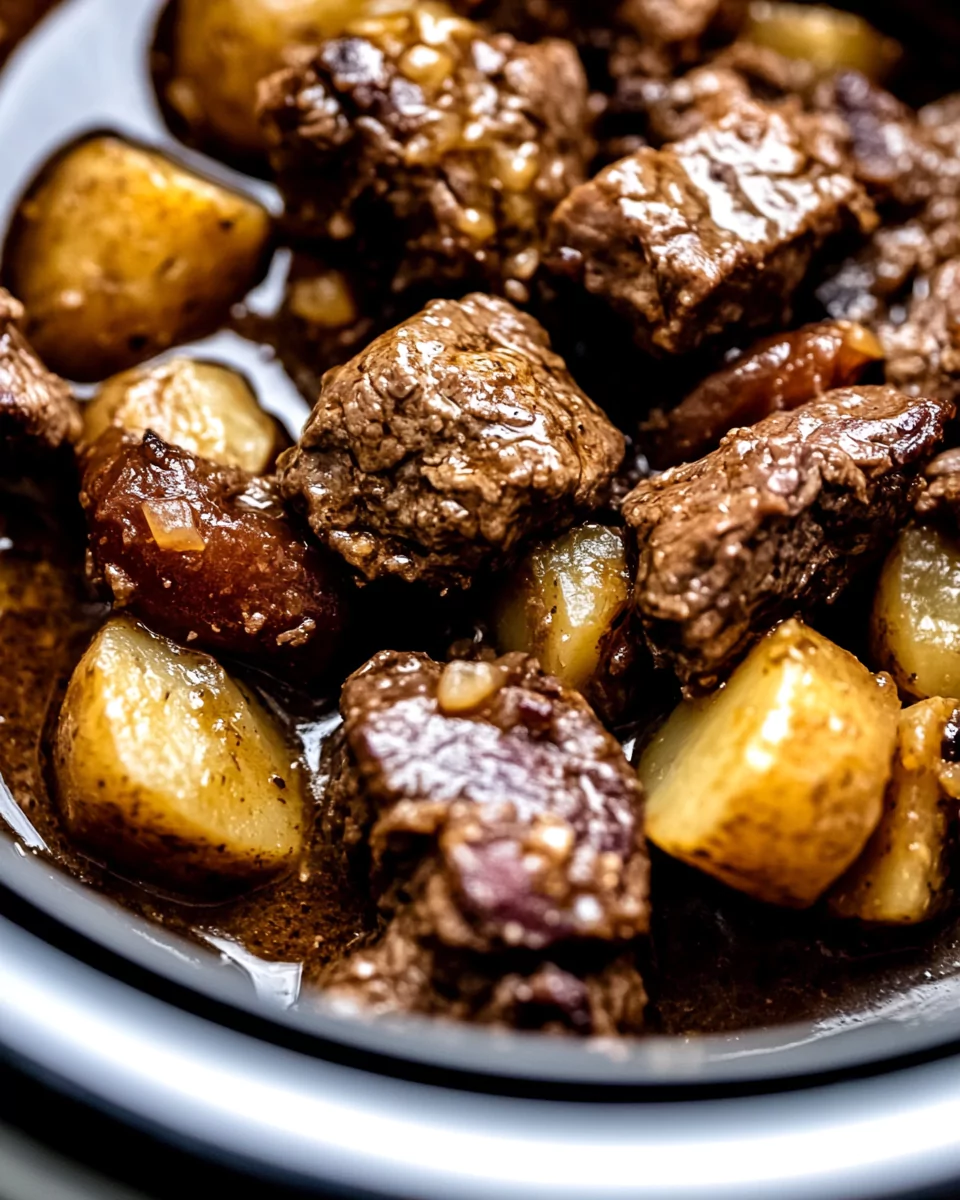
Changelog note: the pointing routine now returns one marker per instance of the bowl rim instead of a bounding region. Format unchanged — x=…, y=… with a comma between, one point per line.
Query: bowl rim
x=776, y=1057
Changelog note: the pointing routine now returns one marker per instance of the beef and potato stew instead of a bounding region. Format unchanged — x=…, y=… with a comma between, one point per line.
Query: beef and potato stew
x=479, y=689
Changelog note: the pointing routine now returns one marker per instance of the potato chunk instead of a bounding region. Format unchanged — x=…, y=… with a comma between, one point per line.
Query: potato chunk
x=562, y=601
x=201, y=407
x=774, y=783
x=168, y=769
x=118, y=253
x=901, y=877
x=223, y=48
x=824, y=36
x=915, y=628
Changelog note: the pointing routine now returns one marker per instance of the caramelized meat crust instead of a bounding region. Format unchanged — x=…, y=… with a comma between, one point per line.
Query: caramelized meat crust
x=435, y=451
x=779, y=372
x=36, y=406
x=433, y=140
x=777, y=519
x=498, y=813
x=206, y=555
x=714, y=233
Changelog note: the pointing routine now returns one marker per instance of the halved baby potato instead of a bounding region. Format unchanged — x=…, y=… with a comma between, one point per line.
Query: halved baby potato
x=169, y=769
x=201, y=407
x=901, y=877
x=775, y=782
x=223, y=48
x=119, y=253
x=562, y=600
x=825, y=36
x=915, y=627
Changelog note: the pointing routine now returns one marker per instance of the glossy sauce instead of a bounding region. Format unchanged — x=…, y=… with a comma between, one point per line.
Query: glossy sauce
x=717, y=960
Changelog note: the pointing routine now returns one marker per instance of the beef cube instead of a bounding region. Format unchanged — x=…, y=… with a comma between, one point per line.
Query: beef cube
x=37, y=409
x=502, y=825
x=923, y=351
x=940, y=498
x=776, y=520
x=714, y=233
x=895, y=154
x=436, y=450
x=423, y=132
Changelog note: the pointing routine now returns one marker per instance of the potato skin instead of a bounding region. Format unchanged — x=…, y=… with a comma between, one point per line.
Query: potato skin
x=118, y=253
x=774, y=783
x=822, y=35
x=221, y=49
x=256, y=589
x=901, y=878
x=168, y=769
x=201, y=407
x=915, y=625
x=563, y=600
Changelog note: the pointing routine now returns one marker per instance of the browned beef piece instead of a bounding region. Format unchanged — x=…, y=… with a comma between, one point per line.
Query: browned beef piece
x=670, y=110
x=714, y=233
x=402, y=972
x=669, y=22
x=431, y=135
x=940, y=497
x=779, y=372
x=36, y=406
x=207, y=555
x=923, y=350
x=503, y=825
x=779, y=518
x=902, y=283
x=894, y=154
x=864, y=287
x=435, y=451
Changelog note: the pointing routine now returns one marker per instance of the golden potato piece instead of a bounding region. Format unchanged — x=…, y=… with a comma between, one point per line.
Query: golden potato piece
x=201, y=407
x=168, y=769
x=901, y=877
x=774, y=783
x=223, y=48
x=562, y=601
x=118, y=253
x=915, y=627
x=824, y=36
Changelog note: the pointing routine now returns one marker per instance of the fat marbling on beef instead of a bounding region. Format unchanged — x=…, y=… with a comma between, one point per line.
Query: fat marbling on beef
x=502, y=826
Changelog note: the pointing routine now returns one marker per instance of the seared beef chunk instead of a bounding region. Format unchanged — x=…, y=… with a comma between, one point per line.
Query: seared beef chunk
x=206, y=555
x=424, y=133
x=776, y=520
x=670, y=22
x=894, y=154
x=902, y=282
x=36, y=406
x=502, y=823
x=712, y=234
x=941, y=496
x=780, y=372
x=436, y=450
x=670, y=110
x=923, y=351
